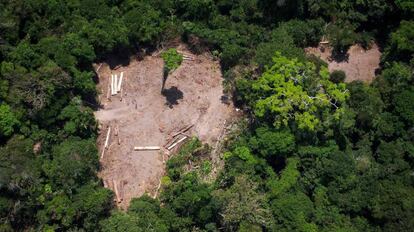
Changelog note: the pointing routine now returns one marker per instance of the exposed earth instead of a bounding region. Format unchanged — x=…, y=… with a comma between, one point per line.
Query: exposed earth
x=145, y=117
x=358, y=63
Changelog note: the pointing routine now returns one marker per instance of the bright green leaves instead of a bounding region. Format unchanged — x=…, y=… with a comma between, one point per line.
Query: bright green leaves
x=8, y=120
x=243, y=153
x=172, y=59
x=294, y=93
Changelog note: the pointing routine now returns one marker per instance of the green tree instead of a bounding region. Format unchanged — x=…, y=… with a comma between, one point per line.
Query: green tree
x=242, y=202
x=292, y=212
x=337, y=76
x=92, y=203
x=73, y=163
x=58, y=212
x=144, y=22
x=404, y=106
x=341, y=37
x=149, y=214
x=78, y=119
x=403, y=38
x=273, y=143
x=172, y=59
x=8, y=121
x=287, y=180
x=19, y=179
x=280, y=41
x=293, y=92
x=121, y=222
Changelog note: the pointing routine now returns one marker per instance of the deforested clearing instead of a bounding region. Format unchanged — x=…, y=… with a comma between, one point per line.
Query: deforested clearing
x=358, y=63
x=146, y=117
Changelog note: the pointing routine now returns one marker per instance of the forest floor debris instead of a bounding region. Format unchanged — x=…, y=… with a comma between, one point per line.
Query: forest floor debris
x=357, y=63
x=146, y=117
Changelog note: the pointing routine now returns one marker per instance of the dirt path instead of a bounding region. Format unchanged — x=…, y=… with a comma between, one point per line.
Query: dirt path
x=145, y=117
x=360, y=64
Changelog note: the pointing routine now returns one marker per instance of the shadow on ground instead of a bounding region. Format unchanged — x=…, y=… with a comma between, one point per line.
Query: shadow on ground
x=172, y=95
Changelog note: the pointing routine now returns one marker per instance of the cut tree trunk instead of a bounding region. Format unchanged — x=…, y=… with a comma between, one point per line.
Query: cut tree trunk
x=147, y=148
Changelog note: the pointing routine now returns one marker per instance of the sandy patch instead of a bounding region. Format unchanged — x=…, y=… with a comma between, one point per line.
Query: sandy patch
x=358, y=64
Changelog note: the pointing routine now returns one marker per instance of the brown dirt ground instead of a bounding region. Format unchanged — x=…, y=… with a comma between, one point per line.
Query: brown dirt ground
x=360, y=64
x=144, y=118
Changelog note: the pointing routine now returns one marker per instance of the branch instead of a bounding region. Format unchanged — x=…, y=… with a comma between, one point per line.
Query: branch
x=334, y=104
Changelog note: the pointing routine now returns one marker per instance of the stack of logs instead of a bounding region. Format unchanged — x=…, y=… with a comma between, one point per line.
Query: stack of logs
x=187, y=57
x=115, y=86
x=171, y=143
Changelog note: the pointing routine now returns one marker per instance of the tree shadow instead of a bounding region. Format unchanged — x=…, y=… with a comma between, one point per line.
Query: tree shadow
x=172, y=95
x=164, y=79
x=119, y=57
x=340, y=56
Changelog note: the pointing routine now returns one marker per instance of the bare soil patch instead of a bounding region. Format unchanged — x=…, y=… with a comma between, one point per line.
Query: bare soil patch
x=148, y=117
x=357, y=63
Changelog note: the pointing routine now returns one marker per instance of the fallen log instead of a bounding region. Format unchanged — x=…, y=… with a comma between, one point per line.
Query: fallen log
x=183, y=130
x=121, y=190
x=108, y=96
x=158, y=189
x=147, y=148
x=106, y=142
x=107, y=137
x=170, y=141
x=185, y=134
x=157, y=53
x=118, y=196
x=112, y=84
x=120, y=82
x=113, y=92
x=97, y=70
x=116, y=84
x=176, y=143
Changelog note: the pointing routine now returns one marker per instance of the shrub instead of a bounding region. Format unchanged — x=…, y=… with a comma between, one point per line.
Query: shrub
x=337, y=76
x=172, y=59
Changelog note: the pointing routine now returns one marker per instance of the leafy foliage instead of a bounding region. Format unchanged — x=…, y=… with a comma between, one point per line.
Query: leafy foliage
x=172, y=59
x=8, y=120
x=296, y=93
x=337, y=76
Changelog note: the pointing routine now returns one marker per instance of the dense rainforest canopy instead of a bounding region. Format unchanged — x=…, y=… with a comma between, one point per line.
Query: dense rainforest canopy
x=315, y=154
